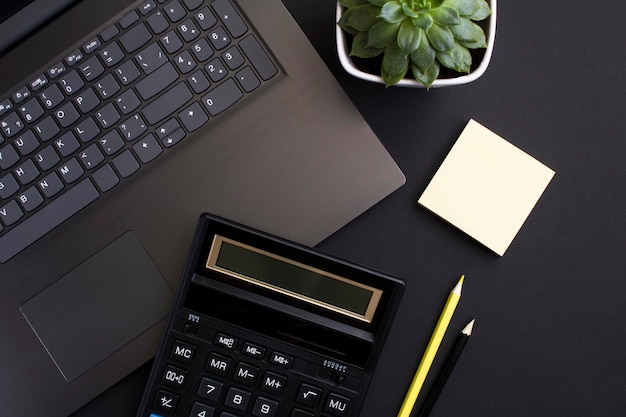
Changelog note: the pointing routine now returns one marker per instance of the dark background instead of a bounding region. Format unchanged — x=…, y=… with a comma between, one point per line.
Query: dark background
x=550, y=335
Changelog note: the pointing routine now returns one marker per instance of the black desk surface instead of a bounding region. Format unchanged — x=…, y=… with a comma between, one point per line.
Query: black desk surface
x=550, y=334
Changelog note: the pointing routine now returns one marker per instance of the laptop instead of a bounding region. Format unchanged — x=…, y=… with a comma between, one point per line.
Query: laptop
x=121, y=122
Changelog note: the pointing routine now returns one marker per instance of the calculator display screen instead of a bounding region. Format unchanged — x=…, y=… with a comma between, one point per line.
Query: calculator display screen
x=294, y=279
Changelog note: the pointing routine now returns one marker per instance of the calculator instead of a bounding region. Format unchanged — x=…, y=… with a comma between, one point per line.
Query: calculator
x=265, y=327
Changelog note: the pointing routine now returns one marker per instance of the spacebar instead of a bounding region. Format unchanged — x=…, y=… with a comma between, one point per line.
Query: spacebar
x=49, y=217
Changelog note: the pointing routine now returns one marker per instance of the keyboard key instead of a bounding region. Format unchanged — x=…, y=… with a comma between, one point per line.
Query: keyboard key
x=39, y=82
x=8, y=186
x=91, y=157
x=46, y=129
x=200, y=409
x=188, y=30
x=157, y=81
x=222, y=97
x=26, y=172
x=151, y=58
x=273, y=383
x=185, y=62
x=132, y=128
x=92, y=45
x=91, y=68
x=158, y=23
x=216, y=70
x=237, y=399
x=74, y=58
x=105, y=178
x=51, y=185
x=219, y=39
x=126, y=21
x=71, y=171
x=87, y=101
x=30, y=199
x=111, y=142
x=205, y=19
x=171, y=42
x=146, y=7
x=109, y=33
x=167, y=104
x=174, y=11
x=126, y=164
x=247, y=79
x=67, y=144
x=257, y=56
x=337, y=404
x=127, y=101
x=135, y=38
x=147, y=149
x=8, y=157
x=127, y=73
x=202, y=50
x=233, y=58
x=111, y=54
x=107, y=87
x=21, y=95
x=26, y=143
x=46, y=219
x=229, y=16
x=5, y=106
x=193, y=4
x=11, y=125
x=210, y=389
x=31, y=110
x=264, y=407
x=199, y=82
x=71, y=83
x=309, y=395
x=193, y=117
x=67, y=114
x=47, y=158
x=11, y=213
x=56, y=70
x=87, y=130
x=107, y=116
x=51, y=97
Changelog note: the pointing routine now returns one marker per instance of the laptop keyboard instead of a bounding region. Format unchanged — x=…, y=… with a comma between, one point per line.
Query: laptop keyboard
x=117, y=103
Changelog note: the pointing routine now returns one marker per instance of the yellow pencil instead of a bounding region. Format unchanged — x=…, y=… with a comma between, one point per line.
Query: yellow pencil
x=431, y=350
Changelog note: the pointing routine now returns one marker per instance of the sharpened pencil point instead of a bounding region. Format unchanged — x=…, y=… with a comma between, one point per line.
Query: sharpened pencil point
x=467, y=330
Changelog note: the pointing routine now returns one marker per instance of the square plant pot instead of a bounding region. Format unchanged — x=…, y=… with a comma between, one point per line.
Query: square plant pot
x=484, y=57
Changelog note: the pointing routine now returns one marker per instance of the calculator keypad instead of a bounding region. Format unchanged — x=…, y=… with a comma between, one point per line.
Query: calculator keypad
x=230, y=376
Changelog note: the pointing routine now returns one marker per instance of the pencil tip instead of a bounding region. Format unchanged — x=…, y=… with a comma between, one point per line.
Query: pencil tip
x=467, y=330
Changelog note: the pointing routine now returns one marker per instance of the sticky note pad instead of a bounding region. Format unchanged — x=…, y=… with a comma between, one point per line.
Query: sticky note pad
x=486, y=187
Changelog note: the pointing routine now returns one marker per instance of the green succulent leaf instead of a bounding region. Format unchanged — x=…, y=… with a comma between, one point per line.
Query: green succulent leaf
x=392, y=12
x=464, y=7
x=424, y=55
x=423, y=21
x=360, y=18
x=395, y=64
x=408, y=10
x=360, y=48
x=468, y=31
x=482, y=12
x=457, y=58
x=440, y=37
x=380, y=3
x=433, y=3
x=445, y=15
x=352, y=3
x=382, y=34
x=409, y=37
x=426, y=77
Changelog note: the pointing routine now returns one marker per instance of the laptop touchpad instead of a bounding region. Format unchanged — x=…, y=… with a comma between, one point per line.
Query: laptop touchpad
x=99, y=306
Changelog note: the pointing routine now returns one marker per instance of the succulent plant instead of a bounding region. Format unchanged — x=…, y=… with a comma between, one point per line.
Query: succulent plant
x=420, y=35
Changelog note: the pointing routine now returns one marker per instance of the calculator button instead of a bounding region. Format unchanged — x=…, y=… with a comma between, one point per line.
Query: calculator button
x=309, y=395
x=182, y=351
x=254, y=351
x=246, y=373
x=337, y=405
x=281, y=360
x=264, y=407
x=273, y=383
x=237, y=399
x=174, y=377
x=223, y=340
x=166, y=401
x=218, y=364
x=210, y=389
x=301, y=413
x=201, y=410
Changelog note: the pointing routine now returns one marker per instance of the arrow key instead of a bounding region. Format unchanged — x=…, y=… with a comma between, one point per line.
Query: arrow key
x=147, y=149
x=193, y=117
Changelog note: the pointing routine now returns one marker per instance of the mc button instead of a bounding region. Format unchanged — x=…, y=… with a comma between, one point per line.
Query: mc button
x=182, y=351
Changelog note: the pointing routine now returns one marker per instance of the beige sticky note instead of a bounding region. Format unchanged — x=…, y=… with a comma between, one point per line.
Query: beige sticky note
x=486, y=187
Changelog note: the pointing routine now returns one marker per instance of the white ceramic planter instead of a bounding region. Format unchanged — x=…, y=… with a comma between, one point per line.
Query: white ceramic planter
x=348, y=65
